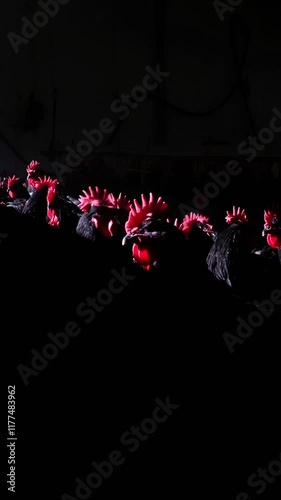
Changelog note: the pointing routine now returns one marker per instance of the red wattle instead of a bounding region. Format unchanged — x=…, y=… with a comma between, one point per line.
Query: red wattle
x=274, y=240
x=12, y=195
x=143, y=256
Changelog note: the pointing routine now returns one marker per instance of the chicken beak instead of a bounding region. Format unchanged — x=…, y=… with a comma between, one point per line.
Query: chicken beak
x=126, y=239
x=266, y=231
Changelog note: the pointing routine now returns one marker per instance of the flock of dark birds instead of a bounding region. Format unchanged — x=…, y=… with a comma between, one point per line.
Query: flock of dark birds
x=185, y=283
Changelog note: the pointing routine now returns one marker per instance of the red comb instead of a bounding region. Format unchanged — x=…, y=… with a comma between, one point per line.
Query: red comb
x=148, y=208
x=192, y=220
x=95, y=198
x=12, y=181
x=32, y=182
x=45, y=182
x=268, y=217
x=32, y=166
x=237, y=215
x=122, y=202
x=271, y=214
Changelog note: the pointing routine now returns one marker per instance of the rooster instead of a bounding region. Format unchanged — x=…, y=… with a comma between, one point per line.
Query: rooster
x=103, y=215
x=199, y=234
x=17, y=192
x=102, y=222
x=232, y=258
x=272, y=229
x=154, y=240
x=62, y=212
x=34, y=172
x=37, y=205
x=166, y=280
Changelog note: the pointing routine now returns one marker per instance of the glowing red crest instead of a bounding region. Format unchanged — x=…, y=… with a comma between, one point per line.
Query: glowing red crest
x=122, y=202
x=272, y=213
x=32, y=167
x=268, y=217
x=194, y=219
x=32, y=182
x=95, y=198
x=148, y=208
x=45, y=182
x=237, y=215
x=12, y=181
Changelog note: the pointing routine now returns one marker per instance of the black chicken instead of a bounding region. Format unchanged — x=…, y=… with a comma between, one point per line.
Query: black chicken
x=200, y=235
x=164, y=284
x=102, y=222
x=17, y=192
x=36, y=206
x=232, y=258
x=272, y=230
x=34, y=173
x=62, y=213
x=103, y=216
x=154, y=240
